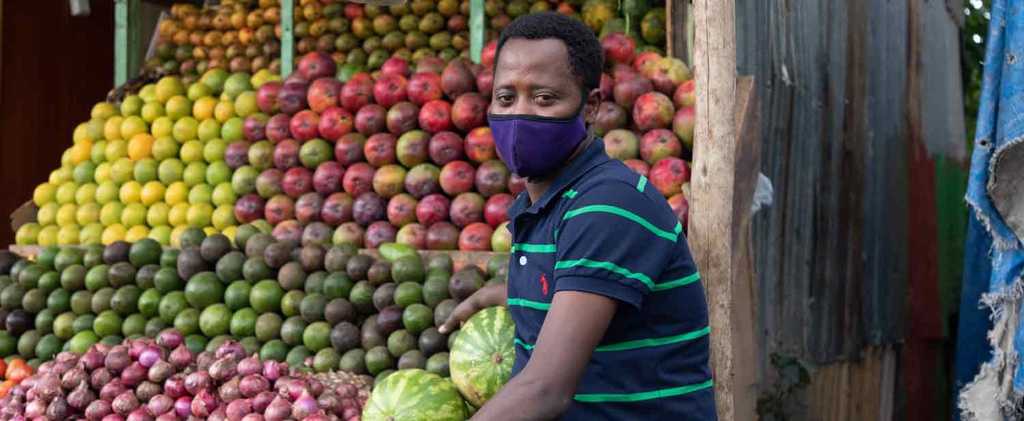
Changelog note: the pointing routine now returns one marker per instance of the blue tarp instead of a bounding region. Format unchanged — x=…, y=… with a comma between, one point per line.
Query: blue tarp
x=989, y=377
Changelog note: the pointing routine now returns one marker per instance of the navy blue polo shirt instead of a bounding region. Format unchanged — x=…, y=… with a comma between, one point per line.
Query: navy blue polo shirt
x=603, y=229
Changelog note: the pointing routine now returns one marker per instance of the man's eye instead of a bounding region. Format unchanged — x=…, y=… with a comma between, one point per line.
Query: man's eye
x=545, y=98
x=504, y=99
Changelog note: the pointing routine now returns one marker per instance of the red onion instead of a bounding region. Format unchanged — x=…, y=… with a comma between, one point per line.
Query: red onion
x=160, y=404
x=231, y=349
x=112, y=390
x=46, y=368
x=30, y=382
x=125, y=403
x=35, y=409
x=117, y=360
x=349, y=403
x=113, y=417
x=97, y=410
x=60, y=368
x=253, y=417
x=149, y=356
x=102, y=348
x=47, y=387
x=167, y=416
x=330, y=401
x=317, y=417
x=218, y=415
x=304, y=406
x=141, y=414
x=197, y=382
x=203, y=404
x=351, y=413
x=160, y=371
x=136, y=347
x=81, y=397
x=279, y=410
x=294, y=389
x=67, y=357
x=175, y=386
x=271, y=370
x=133, y=375
x=348, y=390
x=147, y=390
x=205, y=360
x=253, y=384
x=249, y=365
x=229, y=390
x=315, y=387
x=183, y=407
x=99, y=378
x=223, y=369
x=92, y=359
x=238, y=409
x=57, y=410
x=170, y=339
x=180, y=358
x=262, y=401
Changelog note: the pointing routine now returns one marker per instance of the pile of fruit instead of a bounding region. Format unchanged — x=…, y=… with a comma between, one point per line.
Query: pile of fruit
x=146, y=379
x=244, y=37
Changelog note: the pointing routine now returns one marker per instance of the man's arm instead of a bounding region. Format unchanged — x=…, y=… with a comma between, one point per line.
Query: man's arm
x=545, y=388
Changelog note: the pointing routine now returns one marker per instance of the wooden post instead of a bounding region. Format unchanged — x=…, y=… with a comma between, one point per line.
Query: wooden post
x=722, y=185
x=126, y=41
x=287, y=37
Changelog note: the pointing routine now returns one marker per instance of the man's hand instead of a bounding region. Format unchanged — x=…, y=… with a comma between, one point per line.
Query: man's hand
x=489, y=296
x=545, y=388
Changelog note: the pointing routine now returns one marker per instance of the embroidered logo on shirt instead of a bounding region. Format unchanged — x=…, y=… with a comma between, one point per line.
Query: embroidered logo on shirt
x=543, y=284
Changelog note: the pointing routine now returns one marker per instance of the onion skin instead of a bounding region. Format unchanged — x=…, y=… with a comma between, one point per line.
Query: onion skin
x=183, y=407
x=197, y=382
x=72, y=378
x=180, y=358
x=125, y=403
x=168, y=416
x=47, y=387
x=160, y=404
x=238, y=409
x=57, y=410
x=147, y=390
x=81, y=397
x=231, y=349
x=330, y=402
x=100, y=378
x=170, y=339
x=112, y=390
x=253, y=385
x=113, y=417
x=134, y=375
x=204, y=404
x=253, y=417
x=205, y=360
x=35, y=409
x=175, y=386
x=271, y=370
x=229, y=390
x=262, y=401
x=249, y=365
x=117, y=361
x=223, y=369
x=92, y=359
x=160, y=371
x=98, y=410
x=279, y=410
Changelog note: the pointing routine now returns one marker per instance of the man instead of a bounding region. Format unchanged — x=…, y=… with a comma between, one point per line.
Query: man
x=611, y=319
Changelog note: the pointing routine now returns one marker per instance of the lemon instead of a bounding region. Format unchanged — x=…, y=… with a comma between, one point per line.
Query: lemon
x=81, y=133
x=113, y=233
x=131, y=105
x=103, y=110
x=168, y=87
x=162, y=126
x=210, y=231
x=132, y=126
x=102, y=173
x=122, y=170
x=106, y=192
x=66, y=192
x=223, y=217
x=161, y=234
x=152, y=110
x=116, y=149
x=224, y=111
x=134, y=214
x=199, y=215
x=61, y=175
x=191, y=151
x=130, y=192
x=176, y=235
x=165, y=148
x=44, y=193
x=178, y=107
x=178, y=216
x=208, y=129
x=203, y=108
x=48, y=235
x=152, y=192
x=81, y=152
x=112, y=128
x=224, y=194
x=68, y=236
x=86, y=193
x=148, y=92
x=140, y=146
x=136, y=233
x=110, y=213
x=98, y=154
x=230, y=232
x=47, y=214
x=66, y=215
x=185, y=129
x=27, y=234
x=158, y=214
x=201, y=193
x=91, y=234
x=88, y=213
x=195, y=174
x=176, y=193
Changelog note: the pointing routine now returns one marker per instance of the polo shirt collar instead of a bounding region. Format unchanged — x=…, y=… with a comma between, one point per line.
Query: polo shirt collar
x=587, y=160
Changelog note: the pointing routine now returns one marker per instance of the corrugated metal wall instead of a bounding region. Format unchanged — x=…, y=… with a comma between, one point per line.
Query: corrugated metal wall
x=858, y=98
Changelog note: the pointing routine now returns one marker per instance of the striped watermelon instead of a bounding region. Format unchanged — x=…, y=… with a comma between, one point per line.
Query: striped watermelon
x=414, y=395
x=482, y=355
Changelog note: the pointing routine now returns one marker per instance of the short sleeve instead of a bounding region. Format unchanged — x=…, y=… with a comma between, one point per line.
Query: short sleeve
x=614, y=241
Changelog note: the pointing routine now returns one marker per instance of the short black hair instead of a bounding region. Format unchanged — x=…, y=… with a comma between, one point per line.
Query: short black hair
x=586, y=58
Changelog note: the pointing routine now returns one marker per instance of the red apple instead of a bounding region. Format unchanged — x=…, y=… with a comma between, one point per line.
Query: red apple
x=685, y=96
x=349, y=148
x=316, y=65
x=466, y=209
x=422, y=180
x=378, y=233
x=380, y=149
x=442, y=236
x=469, y=111
x=327, y=178
x=621, y=144
x=433, y=65
x=480, y=145
x=371, y=119
x=356, y=94
x=395, y=66
x=496, y=209
x=324, y=93
x=369, y=208
x=412, y=148
x=681, y=208
x=445, y=147
x=335, y=122
x=669, y=174
x=424, y=87
x=476, y=237
x=516, y=184
x=627, y=91
x=317, y=233
x=402, y=210
x=618, y=48
x=621, y=72
x=292, y=97
x=236, y=154
x=401, y=118
x=683, y=124
x=485, y=82
x=269, y=183
x=488, y=53
x=286, y=154
x=358, y=179
x=432, y=209
x=492, y=178
x=644, y=63
x=249, y=208
x=255, y=127
x=638, y=166
x=389, y=180
x=610, y=116
x=607, y=87
x=278, y=128
x=308, y=207
x=350, y=233
x=279, y=209
x=457, y=79
x=436, y=116
x=657, y=144
x=304, y=125
x=390, y=90
x=653, y=110
x=353, y=11
x=289, y=231
x=413, y=235
x=337, y=209
x=266, y=97
x=457, y=177
x=297, y=181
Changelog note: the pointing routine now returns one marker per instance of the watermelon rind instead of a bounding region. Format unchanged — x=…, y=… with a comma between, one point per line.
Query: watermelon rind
x=482, y=355
x=414, y=395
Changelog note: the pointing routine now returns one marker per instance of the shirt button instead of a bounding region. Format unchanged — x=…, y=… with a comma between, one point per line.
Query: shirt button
x=522, y=260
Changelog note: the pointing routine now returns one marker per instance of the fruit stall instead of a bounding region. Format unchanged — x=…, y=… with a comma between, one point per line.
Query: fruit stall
x=278, y=212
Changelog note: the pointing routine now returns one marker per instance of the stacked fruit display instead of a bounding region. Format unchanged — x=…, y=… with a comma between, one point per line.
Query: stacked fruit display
x=146, y=379
x=150, y=167
x=232, y=36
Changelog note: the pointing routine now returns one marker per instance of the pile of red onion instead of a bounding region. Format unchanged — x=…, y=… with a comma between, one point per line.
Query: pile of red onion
x=161, y=380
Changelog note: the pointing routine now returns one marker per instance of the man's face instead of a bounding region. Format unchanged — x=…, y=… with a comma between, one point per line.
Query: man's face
x=534, y=77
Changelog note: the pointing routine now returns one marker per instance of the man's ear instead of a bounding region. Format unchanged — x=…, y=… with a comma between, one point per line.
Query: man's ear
x=593, y=106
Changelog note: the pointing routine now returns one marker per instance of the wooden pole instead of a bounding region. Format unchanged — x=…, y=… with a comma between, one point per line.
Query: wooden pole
x=287, y=37
x=724, y=174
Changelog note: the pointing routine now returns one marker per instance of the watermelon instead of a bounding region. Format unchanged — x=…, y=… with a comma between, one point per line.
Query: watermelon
x=414, y=395
x=482, y=355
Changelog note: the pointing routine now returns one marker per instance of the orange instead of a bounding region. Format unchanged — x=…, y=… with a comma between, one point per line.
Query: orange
x=140, y=146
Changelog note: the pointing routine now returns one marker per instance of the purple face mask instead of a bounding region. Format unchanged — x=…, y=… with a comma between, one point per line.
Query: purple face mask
x=533, y=146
